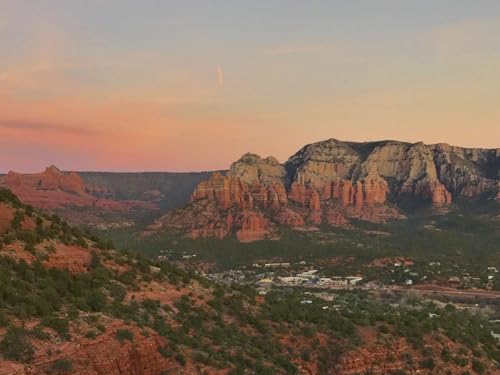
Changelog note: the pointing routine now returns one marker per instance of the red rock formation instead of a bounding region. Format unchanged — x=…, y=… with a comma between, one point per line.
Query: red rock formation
x=298, y=193
x=375, y=191
x=252, y=226
x=335, y=216
x=289, y=217
x=359, y=199
x=226, y=191
x=359, y=195
x=440, y=196
x=333, y=181
x=6, y=216
x=435, y=192
x=72, y=258
x=231, y=191
x=315, y=208
x=53, y=179
x=104, y=355
x=53, y=189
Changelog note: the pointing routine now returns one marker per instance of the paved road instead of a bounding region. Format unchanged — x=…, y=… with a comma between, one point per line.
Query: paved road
x=434, y=289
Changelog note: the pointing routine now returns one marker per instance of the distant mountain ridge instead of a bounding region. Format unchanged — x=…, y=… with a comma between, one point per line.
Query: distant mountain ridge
x=91, y=197
x=332, y=182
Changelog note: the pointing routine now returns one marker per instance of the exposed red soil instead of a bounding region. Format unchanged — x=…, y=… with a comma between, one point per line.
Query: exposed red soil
x=73, y=258
x=6, y=216
x=390, y=261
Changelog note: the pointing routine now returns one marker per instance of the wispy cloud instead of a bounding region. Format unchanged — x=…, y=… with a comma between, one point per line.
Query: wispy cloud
x=220, y=76
x=467, y=38
x=298, y=49
x=40, y=126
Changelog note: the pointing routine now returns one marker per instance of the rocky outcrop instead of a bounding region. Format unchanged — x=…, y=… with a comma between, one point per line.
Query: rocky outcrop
x=60, y=191
x=252, y=226
x=232, y=204
x=53, y=179
x=6, y=216
x=104, y=355
x=332, y=182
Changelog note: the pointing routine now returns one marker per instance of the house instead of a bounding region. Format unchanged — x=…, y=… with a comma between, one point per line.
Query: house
x=339, y=281
x=291, y=280
x=409, y=282
x=274, y=265
x=309, y=275
x=324, y=281
x=496, y=336
x=354, y=280
x=266, y=280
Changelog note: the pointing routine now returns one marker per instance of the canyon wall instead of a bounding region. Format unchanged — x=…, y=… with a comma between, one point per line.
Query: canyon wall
x=332, y=182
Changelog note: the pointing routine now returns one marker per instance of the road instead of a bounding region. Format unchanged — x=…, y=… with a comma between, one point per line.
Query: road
x=451, y=292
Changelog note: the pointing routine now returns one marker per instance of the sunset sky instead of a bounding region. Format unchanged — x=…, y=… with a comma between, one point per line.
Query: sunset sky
x=128, y=85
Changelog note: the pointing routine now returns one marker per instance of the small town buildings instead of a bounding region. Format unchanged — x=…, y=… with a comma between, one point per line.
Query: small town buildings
x=291, y=280
x=309, y=275
x=354, y=280
x=266, y=280
x=496, y=336
x=275, y=265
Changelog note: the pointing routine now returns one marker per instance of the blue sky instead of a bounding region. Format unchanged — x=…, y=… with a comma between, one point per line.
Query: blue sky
x=226, y=77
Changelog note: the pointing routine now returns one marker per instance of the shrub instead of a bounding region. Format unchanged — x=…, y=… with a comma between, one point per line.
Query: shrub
x=16, y=345
x=478, y=366
x=63, y=365
x=61, y=326
x=124, y=334
x=180, y=358
x=91, y=334
x=428, y=363
x=101, y=327
x=446, y=355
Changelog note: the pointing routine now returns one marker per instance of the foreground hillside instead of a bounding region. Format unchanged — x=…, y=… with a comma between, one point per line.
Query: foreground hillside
x=334, y=183
x=71, y=304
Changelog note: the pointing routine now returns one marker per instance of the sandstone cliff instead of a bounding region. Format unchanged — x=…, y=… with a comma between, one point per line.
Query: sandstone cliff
x=65, y=192
x=332, y=182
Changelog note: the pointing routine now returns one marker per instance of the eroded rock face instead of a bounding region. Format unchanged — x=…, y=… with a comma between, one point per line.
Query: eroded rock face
x=104, y=355
x=253, y=226
x=333, y=181
x=53, y=179
x=53, y=189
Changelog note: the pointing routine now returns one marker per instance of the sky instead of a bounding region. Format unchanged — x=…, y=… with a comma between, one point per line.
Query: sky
x=160, y=85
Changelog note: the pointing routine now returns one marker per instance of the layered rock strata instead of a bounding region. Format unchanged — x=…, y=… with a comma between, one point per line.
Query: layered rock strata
x=332, y=182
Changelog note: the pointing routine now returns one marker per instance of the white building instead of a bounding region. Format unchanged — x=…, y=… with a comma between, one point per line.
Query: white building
x=308, y=275
x=354, y=280
x=291, y=280
x=274, y=265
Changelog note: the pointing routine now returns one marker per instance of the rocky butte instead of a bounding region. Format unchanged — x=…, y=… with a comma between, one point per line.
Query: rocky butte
x=53, y=189
x=332, y=182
